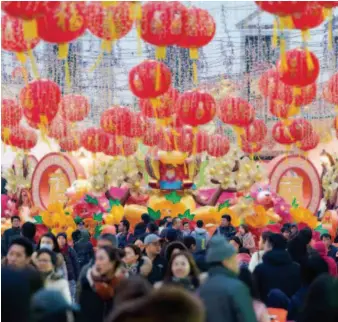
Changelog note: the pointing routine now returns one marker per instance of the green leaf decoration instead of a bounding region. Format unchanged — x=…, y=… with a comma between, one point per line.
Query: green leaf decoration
x=225, y=204
x=98, y=217
x=321, y=230
x=155, y=215
x=112, y=203
x=38, y=219
x=173, y=197
x=91, y=200
x=77, y=219
x=294, y=203
x=97, y=231
x=248, y=197
x=186, y=215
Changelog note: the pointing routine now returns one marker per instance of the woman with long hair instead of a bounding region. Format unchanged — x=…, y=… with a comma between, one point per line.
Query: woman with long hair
x=257, y=257
x=246, y=237
x=25, y=206
x=136, y=264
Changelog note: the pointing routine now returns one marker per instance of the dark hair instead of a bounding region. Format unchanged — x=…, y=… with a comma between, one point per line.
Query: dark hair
x=114, y=254
x=28, y=230
x=243, y=250
x=237, y=241
x=249, y=280
x=245, y=227
x=109, y=237
x=189, y=241
x=265, y=235
x=199, y=223
x=15, y=217
x=277, y=241
x=146, y=218
x=186, y=222
x=162, y=222
x=312, y=268
x=64, y=235
x=174, y=245
x=152, y=227
x=56, y=247
x=25, y=243
x=76, y=235
x=285, y=229
x=52, y=255
x=227, y=217
x=125, y=223
x=136, y=249
x=325, y=235
x=320, y=301
x=131, y=288
x=194, y=271
x=306, y=235
x=171, y=235
x=52, y=317
x=287, y=226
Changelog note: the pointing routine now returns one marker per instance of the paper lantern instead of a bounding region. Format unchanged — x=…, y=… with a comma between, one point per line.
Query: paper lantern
x=162, y=24
x=218, y=146
x=149, y=79
x=166, y=141
x=59, y=128
x=112, y=148
x=195, y=108
x=115, y=120
x=236, y=111
x=299, y=129
x=282, y=110
x=74, y=108
x=165, y=107
x=70, y=143
x=202, y=142
x=328, y=4
x=151, y=134
x=302, y=68
x=281, y=134
x=40, y=101
x=330, y=91
x=256, y=131
x=185, y=139
x=11, y=113
x=129, y=146
x=306, y=96
x=311, y=17
x=309, y=142
x=23, y=138
x=109, y=22
x=136, y=127
x=94, y=140
x=251, y=147
x=282, y=8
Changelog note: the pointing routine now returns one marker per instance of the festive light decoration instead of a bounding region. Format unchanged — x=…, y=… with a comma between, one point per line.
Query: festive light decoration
x=112, y=148
x=94, y=140
x=202, y=142
x=300, y=129
x=218, y=146
x=309, y=142
x=256, y=131
x=306, y=95
x=184, y=139
x=251, y=147
x=74, y=108
x=282, y=110
x=11, y=113
x=149, y=79
x=23, y=138
x=116, y=120
x=59, y=128
x=281, y=134
x=330, y=91
x=129, y=146
x=151, y=134
x=136, y=127
x=311, y=17
x=282, y=8
x=70, y=143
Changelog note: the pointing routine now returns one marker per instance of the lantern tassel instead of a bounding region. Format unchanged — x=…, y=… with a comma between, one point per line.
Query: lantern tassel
x=158, y=77
x=21, y=57
x=67, y=75
x=43, y=130
x=33, y=63
x=284, y=64
x=329, y=15
x=309, y=61
x=30, y=29
x=6, y=135
x=239, y=131
x=194, y=146
x=160, y=52
x=175, y=135
x=119, y=141
x=63, y=51
x=275, y=33
x=194, y=72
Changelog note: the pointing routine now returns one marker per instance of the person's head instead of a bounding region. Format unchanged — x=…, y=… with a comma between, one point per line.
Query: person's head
x=186, y=226
x=152, y=245
x=124, y=226
x=275, y=242
x=171, y=235
x=46, y=260
x=326, y=238
x=49, y=241
x=139, y=243
x=19, y=253
x=220, y=252
x=305, y=235
x=236, y=242
x=190, y=243
x=173, y=248
x=248, y=279
x=152, y=228
x=199, y=223
x=226, y=221
x=163, y=222
x=263, y=238
x=28, y=230
x=146, y=219
x=107, y=260
x=76, y=235
x=107, y=240
x=286, y=232
x=80, y=225
x=176, y=223
x=62, y=239
x=244, y=250
x=16, y=221
x=132, y=254
x=243, y=229
x=294, y=229
x=312, y=267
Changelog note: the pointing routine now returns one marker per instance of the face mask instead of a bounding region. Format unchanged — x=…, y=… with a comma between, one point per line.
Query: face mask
x=46, y=246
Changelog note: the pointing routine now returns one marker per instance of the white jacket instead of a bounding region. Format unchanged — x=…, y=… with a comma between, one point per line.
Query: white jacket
x=256, y=259
x=59, y=284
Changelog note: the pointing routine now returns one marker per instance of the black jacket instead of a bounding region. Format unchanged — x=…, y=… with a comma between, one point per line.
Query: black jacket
x=7, y=239
x=71, y=264
x=84, y=251
x=158, y=270
x=227, y=232
x=277, y=271
x=200, y=261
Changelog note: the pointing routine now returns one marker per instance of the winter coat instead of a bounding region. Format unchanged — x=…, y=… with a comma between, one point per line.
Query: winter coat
x=256, y=259
x=333, y=253
x=72, y=264
x=200, y=261
x=226, y=298
x=227, y=232
x=296, y=303
x=202, y=237
x=158, y=270
x=243, y=260
x=142, y=267
x=7, y=238
x=84, y=250
x=124, y=239
x=57, y=282
x=321, y=250
x=248, y=241
x=277, y=271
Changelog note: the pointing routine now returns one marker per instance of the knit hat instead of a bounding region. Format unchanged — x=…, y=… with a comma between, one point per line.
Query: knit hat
x=219, y=250
x=61, y=234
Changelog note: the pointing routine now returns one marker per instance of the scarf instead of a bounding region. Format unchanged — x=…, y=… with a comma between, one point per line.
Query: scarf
x=64, y=249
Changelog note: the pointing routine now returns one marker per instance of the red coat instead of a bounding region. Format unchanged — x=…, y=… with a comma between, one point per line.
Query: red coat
x=322, y=251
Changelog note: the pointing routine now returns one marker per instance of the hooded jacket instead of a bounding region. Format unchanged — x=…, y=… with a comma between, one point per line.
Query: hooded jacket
x=84, y=249
x=277, y=271
x=321, y=250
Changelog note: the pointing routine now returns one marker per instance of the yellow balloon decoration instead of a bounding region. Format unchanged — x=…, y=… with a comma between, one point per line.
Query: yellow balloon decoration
x=304, y=215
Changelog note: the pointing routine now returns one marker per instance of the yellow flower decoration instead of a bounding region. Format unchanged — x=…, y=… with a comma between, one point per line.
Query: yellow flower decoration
x=259, y=219
x=115, y=215
x=304, y=215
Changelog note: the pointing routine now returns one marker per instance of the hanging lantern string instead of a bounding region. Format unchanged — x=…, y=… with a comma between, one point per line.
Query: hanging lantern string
x=329, y=14
x=275, y=33
x=34, y=64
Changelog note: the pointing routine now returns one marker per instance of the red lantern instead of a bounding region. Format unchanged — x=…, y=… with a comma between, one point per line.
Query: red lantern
x=59, y=128
x=109, y=22
x=282, y=110
x=311, y=17
x=70, y=143
x=11, y=113
x=251, y=147
x=165, y=108
x=236, y=111
x=309, y=142
x=272, y=87
x=166, y=140
x=112, y=147
x=202, y=142
x=94, y=140
x=256, y=131
x=149, y=79
x=282, y=8
x=176, y=122
x=115, y=120
x=23, y=138
x=129, y=146
x=302, y=69
x=162, y=23
x=195, y=108
x=74, y=108
x=328, y=4
x=40, y=101
x=299, y=129
x=307, y=95
x=151, y=134
x=28, y=10
x=281, y=134
x=185, y=139
x=218, y=146
x=13, y=36
x=136, y=127
x=63, y=24
x=330, y=91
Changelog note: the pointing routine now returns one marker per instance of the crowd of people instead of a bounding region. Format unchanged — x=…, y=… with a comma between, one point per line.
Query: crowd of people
x=164, y=271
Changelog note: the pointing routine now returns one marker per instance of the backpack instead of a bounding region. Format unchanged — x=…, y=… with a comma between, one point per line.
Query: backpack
x=201, y=241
